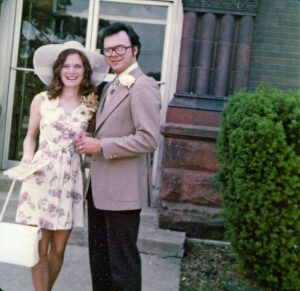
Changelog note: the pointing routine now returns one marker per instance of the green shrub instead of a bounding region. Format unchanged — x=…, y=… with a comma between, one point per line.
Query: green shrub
x=259, y=155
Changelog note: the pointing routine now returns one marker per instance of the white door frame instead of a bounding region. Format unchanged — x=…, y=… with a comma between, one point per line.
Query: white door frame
x=11, y=63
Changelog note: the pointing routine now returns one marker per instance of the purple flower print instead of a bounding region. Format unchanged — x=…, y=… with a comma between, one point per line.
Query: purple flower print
x=72, y=134
x=77, y=179
x=43, y=145
x=22, y=218
x=65, y=131
x=76, y=196
x=39, y=176
x=42, y=204
x=26, y=199
x=66, y=178
x=53, y=180
x=52, y=210
x=57, y=140
x=23, y=198
x=55, y=193
x=50, y=154
x=45, y=223
x=50, y=166
x=61, y=212
x=74, y=175
x=58, y=126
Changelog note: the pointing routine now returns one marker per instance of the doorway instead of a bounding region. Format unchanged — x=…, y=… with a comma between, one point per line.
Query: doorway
x=36, y=23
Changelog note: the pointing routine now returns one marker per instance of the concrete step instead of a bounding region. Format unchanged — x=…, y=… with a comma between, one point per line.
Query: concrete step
x=149, y=217
x=162, y=242
x=151, y=239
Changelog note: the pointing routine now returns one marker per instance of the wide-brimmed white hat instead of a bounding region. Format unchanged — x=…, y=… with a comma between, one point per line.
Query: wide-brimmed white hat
x=45, y=56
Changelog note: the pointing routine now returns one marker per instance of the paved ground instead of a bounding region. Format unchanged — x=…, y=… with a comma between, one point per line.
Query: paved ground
x=159, y=274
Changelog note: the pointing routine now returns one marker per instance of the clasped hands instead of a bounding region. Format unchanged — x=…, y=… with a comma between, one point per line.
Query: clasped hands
x=85, y=144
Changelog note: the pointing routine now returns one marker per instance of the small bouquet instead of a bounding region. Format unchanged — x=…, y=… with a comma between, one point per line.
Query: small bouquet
x=90, y=101
x=90, y=104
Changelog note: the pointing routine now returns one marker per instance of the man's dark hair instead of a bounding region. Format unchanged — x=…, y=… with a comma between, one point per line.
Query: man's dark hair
x=117, y=27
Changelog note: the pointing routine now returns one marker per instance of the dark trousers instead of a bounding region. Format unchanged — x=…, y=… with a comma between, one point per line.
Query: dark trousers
x=114, y=257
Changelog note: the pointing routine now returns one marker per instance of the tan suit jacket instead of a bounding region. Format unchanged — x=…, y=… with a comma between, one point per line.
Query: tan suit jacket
x=128, y=127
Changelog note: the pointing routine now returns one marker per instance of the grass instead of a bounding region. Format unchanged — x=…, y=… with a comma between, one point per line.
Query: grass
x=209, y=266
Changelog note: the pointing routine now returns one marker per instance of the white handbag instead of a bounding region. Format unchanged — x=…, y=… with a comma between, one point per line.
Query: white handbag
x=18, y=242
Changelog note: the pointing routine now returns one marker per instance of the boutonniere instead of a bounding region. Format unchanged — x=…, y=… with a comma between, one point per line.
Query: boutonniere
x=126, y=80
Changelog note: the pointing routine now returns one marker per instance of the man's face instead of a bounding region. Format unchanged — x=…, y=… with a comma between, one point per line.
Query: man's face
x=120, y=63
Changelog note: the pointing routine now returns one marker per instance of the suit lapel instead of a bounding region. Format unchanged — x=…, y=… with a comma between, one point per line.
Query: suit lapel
x=118, y=96
x=120, y=93
x=101, y=104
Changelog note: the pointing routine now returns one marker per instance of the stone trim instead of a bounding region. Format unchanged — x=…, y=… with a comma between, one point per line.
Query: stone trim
x=214, y=59
x=189, y=131
x=199, y=102
x=239, y=7
x=196, y=220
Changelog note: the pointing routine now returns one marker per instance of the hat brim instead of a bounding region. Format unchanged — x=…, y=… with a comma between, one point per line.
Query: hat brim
x=45, y=56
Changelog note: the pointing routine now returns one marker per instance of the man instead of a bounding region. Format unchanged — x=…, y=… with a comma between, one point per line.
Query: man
x=127, y=130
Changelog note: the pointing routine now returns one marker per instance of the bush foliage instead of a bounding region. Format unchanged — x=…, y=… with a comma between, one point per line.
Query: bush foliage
x=259, y=155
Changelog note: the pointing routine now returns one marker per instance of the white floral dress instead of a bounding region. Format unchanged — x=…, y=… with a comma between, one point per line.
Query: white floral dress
x=52, y=198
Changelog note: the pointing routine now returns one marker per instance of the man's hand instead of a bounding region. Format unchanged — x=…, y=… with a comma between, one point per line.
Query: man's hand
x=87, y=145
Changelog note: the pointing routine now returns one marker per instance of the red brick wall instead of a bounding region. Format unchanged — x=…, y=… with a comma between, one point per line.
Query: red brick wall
x=275, y=57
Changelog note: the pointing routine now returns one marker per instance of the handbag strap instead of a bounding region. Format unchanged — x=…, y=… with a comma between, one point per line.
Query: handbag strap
x=7, y=199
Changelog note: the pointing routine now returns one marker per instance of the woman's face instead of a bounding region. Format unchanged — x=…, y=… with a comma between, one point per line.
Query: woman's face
x=72, y=71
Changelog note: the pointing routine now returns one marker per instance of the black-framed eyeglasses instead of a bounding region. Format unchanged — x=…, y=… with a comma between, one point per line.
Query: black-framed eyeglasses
x=120, y=50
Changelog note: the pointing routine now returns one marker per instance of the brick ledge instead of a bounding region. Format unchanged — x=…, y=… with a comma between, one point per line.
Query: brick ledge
x=189, y=131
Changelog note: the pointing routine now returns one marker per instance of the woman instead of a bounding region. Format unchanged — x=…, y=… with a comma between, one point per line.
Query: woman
x=53, y=197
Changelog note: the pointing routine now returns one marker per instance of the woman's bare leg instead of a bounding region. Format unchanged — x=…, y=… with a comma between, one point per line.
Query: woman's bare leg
x=56, y=254
x=40, y=272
